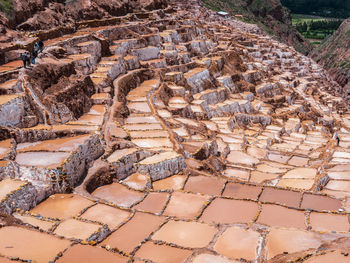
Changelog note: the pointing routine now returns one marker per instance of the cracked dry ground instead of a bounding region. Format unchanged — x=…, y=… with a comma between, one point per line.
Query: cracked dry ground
x=172, y=136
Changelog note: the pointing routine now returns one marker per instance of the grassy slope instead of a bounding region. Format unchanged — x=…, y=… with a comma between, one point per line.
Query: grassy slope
x=334, y=54
x=335, y=51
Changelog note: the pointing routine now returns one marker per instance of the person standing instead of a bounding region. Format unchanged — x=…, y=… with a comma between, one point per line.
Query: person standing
x=24, y=59
x=35, y=52
x=41, y=45
x=28, y=58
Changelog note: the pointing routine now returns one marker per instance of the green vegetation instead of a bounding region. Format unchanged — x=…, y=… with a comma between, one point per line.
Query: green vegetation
x=315, y=28
x=325, y=8
x=209, y=6
x=260, y=5
x=6, y=7
x=345, y=64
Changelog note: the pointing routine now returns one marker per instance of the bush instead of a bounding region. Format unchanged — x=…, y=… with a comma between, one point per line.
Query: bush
x=6, y=7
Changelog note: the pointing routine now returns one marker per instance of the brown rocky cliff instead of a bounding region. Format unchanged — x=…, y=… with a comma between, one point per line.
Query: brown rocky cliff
x=334, y=55
x=44, y=14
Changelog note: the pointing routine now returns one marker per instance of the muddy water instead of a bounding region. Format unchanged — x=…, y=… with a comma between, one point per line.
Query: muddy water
x=256, y=152
x=186, y=234
x=163, y=253
x=209, y=258
x=301, y=173
x=80, y=128
x=335, y=256
x=6, y=98
x=5, y=260
x=27, y=219
x=183, y=205
x=76, y=57
x=61, y=144
x=285, y=197
x=273, y=215
x=97, y=110
x=118, y=194
x=62, y=206
x=138, y=181
x=153, y=142
x=164, y=113
x=290, y=241
x=278, y=158
x=339, y=185
x=260, y=177
x=175, y=182
x=8, y=185
x=265, y=168
x=132, y=233
x=140, y=91
x=245, y=243
x=117, y=155
x=72, y=228
x=177, y=100
x=4, y=148
x=340, y=175
x=149, y=134
x=318, y=202
x=39, y=247
x=304, y=184
x=143, y=127
x=298, y=161
x=111, y=216
x=141, y=107
x=329, y=222
x=89, y=254
x=237, y=173
x=42, y=159
x=181, y=131
x=140, y=119
x=160, y=157
x=154, y=203
x=241, y=158
x=225, y=211
x=89, y=119
x=205, y=185
x=242, y=191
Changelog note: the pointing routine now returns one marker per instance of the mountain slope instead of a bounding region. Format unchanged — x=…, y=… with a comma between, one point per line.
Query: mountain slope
x=45, y=14
x=334, y=54
x=269, y=14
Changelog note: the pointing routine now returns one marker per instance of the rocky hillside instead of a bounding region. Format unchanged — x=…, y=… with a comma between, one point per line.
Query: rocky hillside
x=22, y=21
x=43, y=14
x=269, y=14
x=334, y=55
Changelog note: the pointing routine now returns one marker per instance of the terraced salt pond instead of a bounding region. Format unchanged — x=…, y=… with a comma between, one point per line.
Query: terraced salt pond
x=197, y=140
